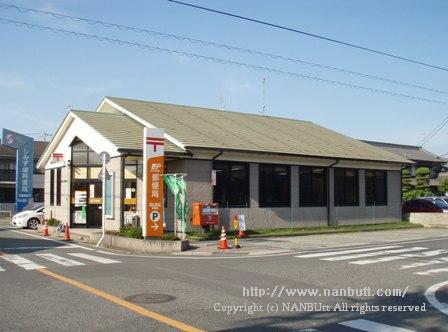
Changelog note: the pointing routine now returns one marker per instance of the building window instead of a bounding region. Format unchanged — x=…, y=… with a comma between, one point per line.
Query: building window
x=52, y=187
x=346, y=190
x=312, y=186
x=58, y=187
x=38, y=195
x=132, y=171
x=376, y=187
x=8, y=165
x=7, y=195
x=274, y=186
x=232, y=184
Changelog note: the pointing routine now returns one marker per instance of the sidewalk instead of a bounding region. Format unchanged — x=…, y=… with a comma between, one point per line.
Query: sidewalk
x=293, y=244
x=277, y=245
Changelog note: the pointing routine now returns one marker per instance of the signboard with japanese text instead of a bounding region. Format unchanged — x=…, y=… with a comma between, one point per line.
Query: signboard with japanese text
x=153, y=169
x=241, y=222
x=24, y=165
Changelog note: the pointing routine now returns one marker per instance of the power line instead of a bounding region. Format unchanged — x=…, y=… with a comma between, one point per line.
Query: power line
x=217, y=45
x=218, y=60
x=443, y=155
x=434, y=131
x=308, y=34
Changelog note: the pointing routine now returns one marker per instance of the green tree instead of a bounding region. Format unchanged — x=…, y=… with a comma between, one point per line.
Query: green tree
x=443, y=186
x=422, y=179
x=406, y=181
x=421, y=187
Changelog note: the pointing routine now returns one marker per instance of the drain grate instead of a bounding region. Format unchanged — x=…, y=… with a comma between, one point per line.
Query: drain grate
x=150, y=298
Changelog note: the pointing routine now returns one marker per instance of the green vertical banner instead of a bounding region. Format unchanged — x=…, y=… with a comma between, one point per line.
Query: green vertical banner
x=179, y=189
x=183, y=203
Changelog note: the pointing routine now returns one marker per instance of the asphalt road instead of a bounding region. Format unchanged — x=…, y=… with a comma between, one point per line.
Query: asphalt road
x=47, y=285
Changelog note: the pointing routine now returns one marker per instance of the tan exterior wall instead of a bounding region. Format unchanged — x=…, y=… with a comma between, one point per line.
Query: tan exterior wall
x=199, y=188
x=362, y=214
x=61, y=212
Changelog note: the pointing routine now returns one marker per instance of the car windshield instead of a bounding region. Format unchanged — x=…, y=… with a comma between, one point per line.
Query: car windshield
x=441, y=203
x=37, y=207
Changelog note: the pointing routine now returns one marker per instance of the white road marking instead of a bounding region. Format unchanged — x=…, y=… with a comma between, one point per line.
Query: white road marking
x=378, y=260
x=369, y=326
x=22, y=262
x=60, y=260
x=428, y=253
x=430, y=295
x=441, y=260
x=46, y=238
x=434, y=271
x=375, y=253
x=404, y=256
x=37, y=247
x=94, y=258
x=341, y=252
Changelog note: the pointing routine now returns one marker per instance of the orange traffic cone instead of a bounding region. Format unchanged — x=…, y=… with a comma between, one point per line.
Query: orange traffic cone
x=46, y=229
x=67, y=232
x=242, y=234
x=223, y=242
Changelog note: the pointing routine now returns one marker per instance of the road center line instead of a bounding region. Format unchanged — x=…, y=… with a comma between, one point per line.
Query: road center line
x=140, y=310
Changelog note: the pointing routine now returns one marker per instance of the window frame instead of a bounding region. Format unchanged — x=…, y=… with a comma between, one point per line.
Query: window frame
x=261, y=202
x=335, y=191
x=58, y=186
x=52, y=187
x=325, y=186
x=386, y=187
x=228, y=189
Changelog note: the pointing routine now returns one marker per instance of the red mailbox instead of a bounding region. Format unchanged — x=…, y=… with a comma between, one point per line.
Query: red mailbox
x=205, y=214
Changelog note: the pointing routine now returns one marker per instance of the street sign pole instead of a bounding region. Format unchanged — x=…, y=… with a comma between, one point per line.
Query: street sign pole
x=105, y=158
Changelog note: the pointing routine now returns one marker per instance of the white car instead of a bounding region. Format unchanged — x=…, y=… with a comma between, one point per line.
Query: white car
x=29, y=218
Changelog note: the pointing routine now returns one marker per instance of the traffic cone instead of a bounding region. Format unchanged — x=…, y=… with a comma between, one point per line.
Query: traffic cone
x=46, y=229
x=223, y=242
x=242, y=234
x=67, y=232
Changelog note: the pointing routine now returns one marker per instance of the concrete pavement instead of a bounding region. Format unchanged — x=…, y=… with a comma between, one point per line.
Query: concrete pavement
x=200, y=291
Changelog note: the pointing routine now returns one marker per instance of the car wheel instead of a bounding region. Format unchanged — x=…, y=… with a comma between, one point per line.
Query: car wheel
x=33, y=223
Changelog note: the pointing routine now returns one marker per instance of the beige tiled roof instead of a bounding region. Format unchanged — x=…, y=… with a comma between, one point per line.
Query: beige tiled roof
x=121, y=130
x=411, y=152
x=202, y=127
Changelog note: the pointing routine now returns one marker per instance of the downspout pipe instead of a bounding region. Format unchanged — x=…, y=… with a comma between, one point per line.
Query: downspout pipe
x=328, y=191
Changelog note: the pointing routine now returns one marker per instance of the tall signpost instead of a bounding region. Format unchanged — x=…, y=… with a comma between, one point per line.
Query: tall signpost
x=24, y=165
x=153, y=169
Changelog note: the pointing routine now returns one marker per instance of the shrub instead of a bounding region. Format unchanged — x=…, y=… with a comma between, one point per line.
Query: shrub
x=422, y=178
x=53, y=222
x=170, y=237
x=443, y=186
x=132, y=231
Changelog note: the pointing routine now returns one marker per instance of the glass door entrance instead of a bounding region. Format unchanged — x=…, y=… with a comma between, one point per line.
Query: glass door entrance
x=87, y=200
x=87, y=193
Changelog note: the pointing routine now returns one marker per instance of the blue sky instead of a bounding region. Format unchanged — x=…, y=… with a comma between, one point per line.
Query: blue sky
x=42, y=73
